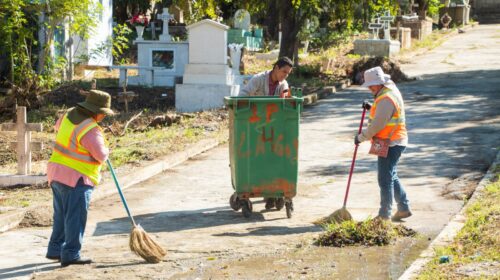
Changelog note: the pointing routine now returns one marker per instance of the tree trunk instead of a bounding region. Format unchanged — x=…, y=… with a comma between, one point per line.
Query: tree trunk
x=289, y=28
x=422, y=8
x=272, y=22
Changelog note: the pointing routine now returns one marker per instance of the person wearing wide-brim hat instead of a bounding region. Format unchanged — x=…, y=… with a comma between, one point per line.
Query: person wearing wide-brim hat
x=73, y=171
x=388, y=123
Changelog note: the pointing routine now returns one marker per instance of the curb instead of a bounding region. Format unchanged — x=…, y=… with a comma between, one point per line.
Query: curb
x=449, y=232
x=11, y=220
x=312, y=98
x=11, y=180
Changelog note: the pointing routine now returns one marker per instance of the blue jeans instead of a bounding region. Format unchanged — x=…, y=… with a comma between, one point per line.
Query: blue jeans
x=389, y=183
x=70, y=217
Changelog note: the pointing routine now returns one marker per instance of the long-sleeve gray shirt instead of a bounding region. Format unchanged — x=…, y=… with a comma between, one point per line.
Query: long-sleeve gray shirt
x=259, y=86
x=383, y=114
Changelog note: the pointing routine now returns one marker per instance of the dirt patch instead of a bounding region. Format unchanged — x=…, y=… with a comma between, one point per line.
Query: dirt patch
x=25, y=196
x=389, y=66
x=368, y=233
x=37, y=217
x=154, y=98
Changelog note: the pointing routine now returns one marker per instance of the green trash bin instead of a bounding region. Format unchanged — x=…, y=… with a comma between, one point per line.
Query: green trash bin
x=263, y=150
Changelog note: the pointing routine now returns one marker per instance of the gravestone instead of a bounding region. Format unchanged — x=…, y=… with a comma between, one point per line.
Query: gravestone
x=375, y=27
x=165, y=17
x=242, y=19
x=160, y=62
x=23, y=146
x=386, y=19
x=207, y=78
x=419, y=28
x=404, y=36
x=375, y=46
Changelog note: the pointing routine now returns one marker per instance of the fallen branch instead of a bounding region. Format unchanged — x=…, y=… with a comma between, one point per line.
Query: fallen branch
x=129, y=121
x=111, y=130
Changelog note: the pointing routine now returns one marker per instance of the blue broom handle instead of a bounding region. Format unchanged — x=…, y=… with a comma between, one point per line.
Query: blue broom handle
x=120, y=191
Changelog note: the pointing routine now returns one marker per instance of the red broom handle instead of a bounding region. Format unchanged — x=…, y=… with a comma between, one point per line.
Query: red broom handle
x=354, y=158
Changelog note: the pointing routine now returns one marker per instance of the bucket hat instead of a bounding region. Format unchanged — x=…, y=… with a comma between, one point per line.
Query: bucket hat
x=98, y=102
x=375, y=76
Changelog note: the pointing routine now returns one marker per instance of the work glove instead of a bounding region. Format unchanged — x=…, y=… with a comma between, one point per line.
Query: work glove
x=366, y=105
x=356, y=140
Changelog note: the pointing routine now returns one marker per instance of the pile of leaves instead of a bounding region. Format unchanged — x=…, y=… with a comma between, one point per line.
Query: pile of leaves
x=370, y=232
x=389, y=66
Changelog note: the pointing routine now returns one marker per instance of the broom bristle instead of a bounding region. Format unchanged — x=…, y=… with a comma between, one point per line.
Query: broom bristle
x=144, y=246
x=338, y=217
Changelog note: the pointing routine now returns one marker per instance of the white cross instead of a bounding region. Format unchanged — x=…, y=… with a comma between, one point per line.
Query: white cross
x=375, y=27
x=165, y=17
x=386, y=19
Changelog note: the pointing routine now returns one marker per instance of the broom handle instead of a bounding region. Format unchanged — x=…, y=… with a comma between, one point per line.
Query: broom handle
x=354, y=158
x=120, y=191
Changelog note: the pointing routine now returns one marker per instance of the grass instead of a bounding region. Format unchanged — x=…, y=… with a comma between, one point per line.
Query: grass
x=370, y=232
x=153, y=143
x=477, y=244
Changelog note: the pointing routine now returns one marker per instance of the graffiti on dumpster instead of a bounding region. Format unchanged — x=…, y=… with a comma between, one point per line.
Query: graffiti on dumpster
x=266, y=139
x=277, y=186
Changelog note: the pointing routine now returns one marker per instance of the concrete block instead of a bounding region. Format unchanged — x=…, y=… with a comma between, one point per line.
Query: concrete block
x=207, y=74
x=199, y=97
x=12, y=180
x=372, y=47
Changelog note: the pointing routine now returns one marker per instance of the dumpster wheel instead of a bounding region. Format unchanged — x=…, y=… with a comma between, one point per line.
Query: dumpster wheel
x=280, y=202
x=235, y=202
x=246, y=208
x=289, y=209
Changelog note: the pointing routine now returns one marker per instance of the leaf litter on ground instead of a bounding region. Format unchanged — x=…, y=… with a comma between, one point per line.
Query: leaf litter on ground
x=370, y=232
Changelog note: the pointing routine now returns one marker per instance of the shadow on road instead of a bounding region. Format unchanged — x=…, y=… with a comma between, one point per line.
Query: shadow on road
x=270, y=230
x=27, y=269
x=173, y=221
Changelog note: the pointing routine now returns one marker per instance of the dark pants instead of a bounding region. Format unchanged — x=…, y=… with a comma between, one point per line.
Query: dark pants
x=70, y=217
x=389, y=183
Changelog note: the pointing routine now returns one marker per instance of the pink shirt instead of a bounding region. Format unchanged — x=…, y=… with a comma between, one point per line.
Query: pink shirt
x=272, y=86
x=93, y=141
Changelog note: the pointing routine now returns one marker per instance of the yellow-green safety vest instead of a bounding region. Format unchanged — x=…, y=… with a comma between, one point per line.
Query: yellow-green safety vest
x=69, y=152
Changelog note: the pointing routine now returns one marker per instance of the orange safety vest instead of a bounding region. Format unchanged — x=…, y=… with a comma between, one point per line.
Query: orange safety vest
x=69, y=152
x=396, y=127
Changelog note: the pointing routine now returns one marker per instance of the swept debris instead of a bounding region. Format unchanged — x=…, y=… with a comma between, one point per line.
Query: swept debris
x=370, y=232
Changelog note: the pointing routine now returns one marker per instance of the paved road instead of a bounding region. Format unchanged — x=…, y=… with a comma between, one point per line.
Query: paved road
x=454, y=124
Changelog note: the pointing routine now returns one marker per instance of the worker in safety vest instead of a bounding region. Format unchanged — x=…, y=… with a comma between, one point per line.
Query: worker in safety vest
x=73, y=171
x=387, y=121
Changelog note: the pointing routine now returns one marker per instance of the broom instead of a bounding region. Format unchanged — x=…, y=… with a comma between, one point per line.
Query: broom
x=342, y=214
x=140, y=242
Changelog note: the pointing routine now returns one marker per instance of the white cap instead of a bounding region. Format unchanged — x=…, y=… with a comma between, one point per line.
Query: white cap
x=375, y=76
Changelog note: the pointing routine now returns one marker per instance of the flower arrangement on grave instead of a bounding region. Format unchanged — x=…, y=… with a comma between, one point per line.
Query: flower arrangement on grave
x=139, y=20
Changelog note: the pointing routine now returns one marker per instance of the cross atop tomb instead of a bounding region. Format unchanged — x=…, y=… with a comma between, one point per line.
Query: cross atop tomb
x=375, y=27
x=23, y=145
x=165, y=17
x=386, y=19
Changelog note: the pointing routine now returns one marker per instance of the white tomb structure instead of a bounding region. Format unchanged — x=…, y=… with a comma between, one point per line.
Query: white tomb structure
x=207, y=77
x=378, y=47
x=160, y=62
